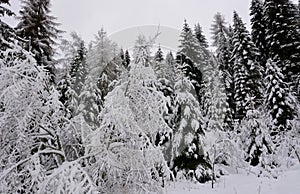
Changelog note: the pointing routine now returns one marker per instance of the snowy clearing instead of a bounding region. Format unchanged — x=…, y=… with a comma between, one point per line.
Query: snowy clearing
x=286, y=183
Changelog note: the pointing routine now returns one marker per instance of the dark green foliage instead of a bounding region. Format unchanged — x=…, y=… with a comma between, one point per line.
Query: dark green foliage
x=278, y=99
x=246, y=70
x=127, y=58
x=159, y=56
x=190, y=58
x=283, y=35
x=222, y=41
x=217, y=28
x=200, y=36
x=78, y=68
x=6, y=32
x=258, y=32
x=192, y=72
x=39, y=29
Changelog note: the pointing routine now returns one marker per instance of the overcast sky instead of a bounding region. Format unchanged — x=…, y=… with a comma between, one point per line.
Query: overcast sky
x=86, y=17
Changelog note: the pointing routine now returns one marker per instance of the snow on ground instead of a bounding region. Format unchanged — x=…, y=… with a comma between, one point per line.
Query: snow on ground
x=245, y=183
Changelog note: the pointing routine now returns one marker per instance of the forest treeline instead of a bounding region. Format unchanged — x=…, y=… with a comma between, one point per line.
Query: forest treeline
x=100, y=119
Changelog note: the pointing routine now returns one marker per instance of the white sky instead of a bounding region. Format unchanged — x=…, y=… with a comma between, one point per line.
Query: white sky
x=86, y=17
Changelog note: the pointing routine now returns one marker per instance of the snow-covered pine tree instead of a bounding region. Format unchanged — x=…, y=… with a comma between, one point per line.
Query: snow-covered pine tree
x=205, y=66
x=200, y=36
x=218, y=27
x=71, y=87
x=186, y=149
x=283, y=36
x=6, y=31
x=278, y=100
x=39, y=30
x=127, y=58
x=159, y=63
x=78, y=69
x=246, y=69
x=189, y=58
x=74, y=73
x=159, y=55
x=255, y=137
x=123, y=60
x=218, y=108
x=258, y=32
x=126, y=159
x=172, y=69
x=90, y=101
x=221, y=40
x=66, y=94
x=190, y=47
x=101, y=62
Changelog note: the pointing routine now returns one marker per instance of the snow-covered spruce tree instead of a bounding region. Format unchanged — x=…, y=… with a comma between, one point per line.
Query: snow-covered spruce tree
x=185, y=150
x=283, y=36
x=258, y=32
x=78, y=69
x=159, y=55
x=159, y=63
x=101, y=63
x=218, y=108
x=66, y=94
x=278, y=100
x=165, y=69
x=6, y=31
x=200, y=36
x=218, y=27
x=290, y=144
x=71, y=84
x=78, y=104
x=167, y=75
x=126, y=159
x=172, y=68
x=221, y=40
x=40, y=31
x=205, y=65
x=190, y=47
x=189, y=58
x=254, y=137
x=90, y=102
x=246, y=70
x=125, y=58
x=217, y=126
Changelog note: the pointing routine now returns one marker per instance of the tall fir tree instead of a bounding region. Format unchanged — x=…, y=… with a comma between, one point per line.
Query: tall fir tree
x=159, y=56
x=127, y=58
x=258, y=32
x=283, y=35
x=246, y=70
x=278, y=99
x=200, y=36
x=78, y=68
x=190, y=47
x=189, y=58
x=71, y=84
x=186, y=150
x=39, y=29
x=102, y=62
x=218, y=27
x=218, y=115
x=222, y=42
x=6, y=31
x=255, y=137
